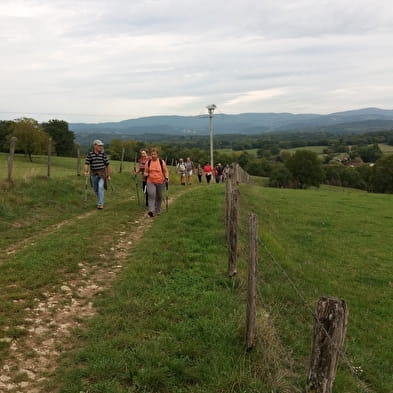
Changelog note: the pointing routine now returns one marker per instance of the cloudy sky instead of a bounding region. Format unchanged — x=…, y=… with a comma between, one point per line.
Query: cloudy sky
x=110, y=60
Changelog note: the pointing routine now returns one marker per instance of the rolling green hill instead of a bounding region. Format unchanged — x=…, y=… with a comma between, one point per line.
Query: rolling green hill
x=169, y=319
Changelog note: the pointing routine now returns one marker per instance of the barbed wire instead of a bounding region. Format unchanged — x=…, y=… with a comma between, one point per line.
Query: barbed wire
x=353, y=370
x=342, y=354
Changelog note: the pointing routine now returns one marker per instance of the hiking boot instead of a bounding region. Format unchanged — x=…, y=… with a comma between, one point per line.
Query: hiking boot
x=150, y=214
x=100, y=207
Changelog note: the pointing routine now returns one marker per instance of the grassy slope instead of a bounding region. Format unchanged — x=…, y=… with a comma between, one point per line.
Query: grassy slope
x=182, y=328
x=178, y=321
x=331, y=242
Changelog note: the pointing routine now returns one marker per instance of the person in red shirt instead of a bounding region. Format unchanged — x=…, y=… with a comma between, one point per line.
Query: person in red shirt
x=157, y=176
x=208, y=172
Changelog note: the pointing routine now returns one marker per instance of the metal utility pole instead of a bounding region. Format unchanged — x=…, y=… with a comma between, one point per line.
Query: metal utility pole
x=211, y=108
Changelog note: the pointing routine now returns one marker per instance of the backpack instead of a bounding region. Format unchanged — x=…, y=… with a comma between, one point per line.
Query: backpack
x=162, y=168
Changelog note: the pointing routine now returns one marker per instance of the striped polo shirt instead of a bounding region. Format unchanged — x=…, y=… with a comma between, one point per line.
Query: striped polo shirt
x=97, y=161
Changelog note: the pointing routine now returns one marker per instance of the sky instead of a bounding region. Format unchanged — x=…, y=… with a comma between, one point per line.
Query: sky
x=110, y=60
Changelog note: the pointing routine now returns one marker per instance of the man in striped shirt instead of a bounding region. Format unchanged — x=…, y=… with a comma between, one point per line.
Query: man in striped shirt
x=99, y=171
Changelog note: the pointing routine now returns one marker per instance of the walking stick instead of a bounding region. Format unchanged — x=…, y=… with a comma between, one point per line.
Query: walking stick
x=110, y=183
x=166, y=195
x=136, y=181
x=85, y=199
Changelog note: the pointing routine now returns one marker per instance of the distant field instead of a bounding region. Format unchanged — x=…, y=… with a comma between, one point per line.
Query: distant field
x=386, y=149
x=237, y=152
x=315, y=149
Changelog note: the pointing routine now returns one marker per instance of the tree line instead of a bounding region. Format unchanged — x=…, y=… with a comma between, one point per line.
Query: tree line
x=284, y=169
x=304, y=169
x=32, y=136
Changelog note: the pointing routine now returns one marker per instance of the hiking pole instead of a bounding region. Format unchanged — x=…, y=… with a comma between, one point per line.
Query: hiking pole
x=136, y=181
x=85, y=198
x=166, y=195
x=110, y=183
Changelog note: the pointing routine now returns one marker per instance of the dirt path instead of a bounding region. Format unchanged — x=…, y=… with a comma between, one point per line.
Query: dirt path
x=49, y=325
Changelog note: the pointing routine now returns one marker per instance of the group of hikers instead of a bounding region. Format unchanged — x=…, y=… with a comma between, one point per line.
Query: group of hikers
x=154, y=172
x=186, y=169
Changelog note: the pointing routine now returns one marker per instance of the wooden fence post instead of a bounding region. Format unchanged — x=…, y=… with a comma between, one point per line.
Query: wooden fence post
x=78, y=159
x=11, y=158
x=332, y=320
x=233, y=235
x=228, y=197
x=252, y=281
x=122, y=159
x=49, y=154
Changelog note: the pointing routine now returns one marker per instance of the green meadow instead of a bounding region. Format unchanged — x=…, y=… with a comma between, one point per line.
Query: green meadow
x=386, y=149
x=173, y=321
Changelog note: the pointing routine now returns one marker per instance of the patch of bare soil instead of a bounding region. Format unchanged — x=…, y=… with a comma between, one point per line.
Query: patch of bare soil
x=49, y=325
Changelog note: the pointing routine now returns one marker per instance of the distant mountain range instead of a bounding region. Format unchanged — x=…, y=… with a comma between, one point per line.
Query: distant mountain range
x=361, y=120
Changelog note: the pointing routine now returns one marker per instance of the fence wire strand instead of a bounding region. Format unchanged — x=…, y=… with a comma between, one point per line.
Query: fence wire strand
x=242, y=233
x=342, y=354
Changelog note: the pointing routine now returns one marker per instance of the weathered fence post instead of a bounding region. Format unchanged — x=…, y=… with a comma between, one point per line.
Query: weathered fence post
x=233, y=235
x=328, y=340
x=252, y=281
x=11, y=158
x=78, y=160
x=49, y=154
x=228, y=197
x=122, y=159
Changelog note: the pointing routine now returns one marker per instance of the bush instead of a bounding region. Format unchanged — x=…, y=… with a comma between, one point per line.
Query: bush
x=382, y=175
x=306, y=169
x=280, y=177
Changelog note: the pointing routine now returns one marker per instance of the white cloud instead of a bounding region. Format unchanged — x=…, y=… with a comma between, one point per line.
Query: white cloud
x=119, y=59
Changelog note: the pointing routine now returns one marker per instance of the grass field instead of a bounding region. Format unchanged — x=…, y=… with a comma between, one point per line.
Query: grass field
x=172, y=321
x=331, y=242
x=315, y=149
x=386, y=149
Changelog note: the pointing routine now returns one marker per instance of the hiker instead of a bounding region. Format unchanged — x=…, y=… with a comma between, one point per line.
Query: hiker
x=141, y=169
x=225, y=173
x=218, y=173
x=189, y=168
x=207, y=169
x=156, y=173
x=199, y=173
x=97, y=166
x=181, y=170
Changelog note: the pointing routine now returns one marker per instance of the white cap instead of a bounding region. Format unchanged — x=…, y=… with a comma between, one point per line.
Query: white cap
x=98, y=142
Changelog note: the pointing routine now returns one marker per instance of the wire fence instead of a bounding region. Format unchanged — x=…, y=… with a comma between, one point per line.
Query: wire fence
x=329, y=335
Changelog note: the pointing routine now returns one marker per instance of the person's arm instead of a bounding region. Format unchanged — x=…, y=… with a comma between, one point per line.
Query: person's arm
x=108, y=172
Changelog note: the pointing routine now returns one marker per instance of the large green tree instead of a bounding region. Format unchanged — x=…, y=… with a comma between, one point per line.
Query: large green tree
x=31, y=139
x=306, y=169
x=63, y=138
x=382, y=176
x=131, y=148
x=5, y=132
